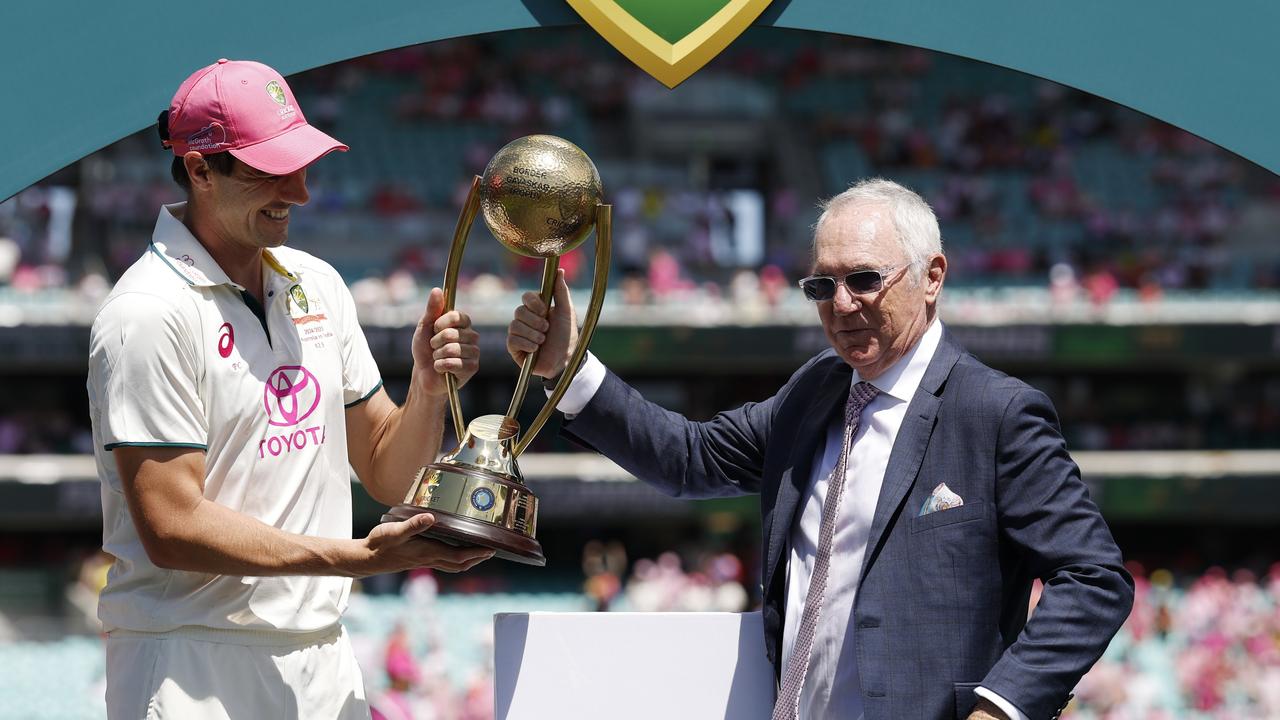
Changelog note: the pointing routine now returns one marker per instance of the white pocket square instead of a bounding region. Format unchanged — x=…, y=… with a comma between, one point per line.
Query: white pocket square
x=942, y=498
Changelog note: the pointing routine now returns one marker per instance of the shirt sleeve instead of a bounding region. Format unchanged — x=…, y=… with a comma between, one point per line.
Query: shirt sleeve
x=1005, y=706
x=583, y=387
x=360, y=376
x=144, y=376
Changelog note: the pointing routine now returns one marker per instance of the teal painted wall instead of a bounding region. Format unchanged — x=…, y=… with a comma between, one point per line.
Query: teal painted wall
x=76, y=76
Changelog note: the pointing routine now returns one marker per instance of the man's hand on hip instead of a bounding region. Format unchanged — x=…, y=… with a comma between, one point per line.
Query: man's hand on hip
x=986, y=710
x=531, y=330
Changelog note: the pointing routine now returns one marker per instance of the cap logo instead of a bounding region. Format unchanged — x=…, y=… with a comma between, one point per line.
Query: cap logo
x=276, y=92
x=209, y=137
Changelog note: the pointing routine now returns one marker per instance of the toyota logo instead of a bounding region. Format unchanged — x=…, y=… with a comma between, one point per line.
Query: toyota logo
x=291, y=394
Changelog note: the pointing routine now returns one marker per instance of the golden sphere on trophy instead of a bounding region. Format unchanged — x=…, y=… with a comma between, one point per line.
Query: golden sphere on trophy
x=539, y=196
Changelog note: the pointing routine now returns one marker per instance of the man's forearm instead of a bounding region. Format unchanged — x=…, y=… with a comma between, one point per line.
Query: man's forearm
x=212, y=538
x=409, y=439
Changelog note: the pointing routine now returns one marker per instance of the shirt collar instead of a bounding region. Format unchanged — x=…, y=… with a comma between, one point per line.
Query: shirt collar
x=903, y=377
x=173, y=242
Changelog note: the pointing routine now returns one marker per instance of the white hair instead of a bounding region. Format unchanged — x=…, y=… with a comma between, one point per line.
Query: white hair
x=914, y=222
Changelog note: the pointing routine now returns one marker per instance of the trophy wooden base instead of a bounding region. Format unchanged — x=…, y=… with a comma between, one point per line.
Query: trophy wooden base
x=462, y=531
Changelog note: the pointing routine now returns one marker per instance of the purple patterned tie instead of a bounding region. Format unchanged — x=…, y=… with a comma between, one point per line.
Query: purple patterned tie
x=788, y=705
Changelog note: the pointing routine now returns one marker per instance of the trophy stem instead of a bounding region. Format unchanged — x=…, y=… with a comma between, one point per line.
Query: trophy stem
x=604, y=247
x=460, y=233
x=549, y=268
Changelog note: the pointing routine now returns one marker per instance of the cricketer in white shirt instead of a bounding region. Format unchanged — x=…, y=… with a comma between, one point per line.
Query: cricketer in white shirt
x=178, y=358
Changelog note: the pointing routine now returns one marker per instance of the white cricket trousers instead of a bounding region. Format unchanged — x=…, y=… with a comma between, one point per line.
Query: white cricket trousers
x=206, y=674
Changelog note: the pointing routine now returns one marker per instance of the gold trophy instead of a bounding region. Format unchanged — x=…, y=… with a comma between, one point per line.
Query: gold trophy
x=540, y=196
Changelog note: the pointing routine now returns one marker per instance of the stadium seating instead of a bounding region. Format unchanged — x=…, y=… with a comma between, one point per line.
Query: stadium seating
x=1200, y=649
x=62, y=679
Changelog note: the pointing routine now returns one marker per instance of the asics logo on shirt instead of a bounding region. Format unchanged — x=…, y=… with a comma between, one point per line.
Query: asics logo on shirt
x=226, y=340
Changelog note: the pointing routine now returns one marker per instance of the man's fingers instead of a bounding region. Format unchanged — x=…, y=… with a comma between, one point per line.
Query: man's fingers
x=464, y=565
x=451, y=319
x=457, y=367
x=406, y=529
x=444, y=337
x=435, y=306
x=562, y=297
x=472, y=563
x=533, y=301
x=517, y=344
x=461, y=368
x=461, y=567
x=528, y=317
x=449, y=557
x=418, y=523
x=455, y=350
x=533, y=335
x=465, y=336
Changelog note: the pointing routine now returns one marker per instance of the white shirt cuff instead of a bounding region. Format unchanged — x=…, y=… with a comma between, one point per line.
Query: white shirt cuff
x=583, y=387
x=1005, y=706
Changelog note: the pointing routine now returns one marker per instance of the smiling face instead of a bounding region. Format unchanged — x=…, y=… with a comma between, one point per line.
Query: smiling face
x=248, y=209
x=871, y=332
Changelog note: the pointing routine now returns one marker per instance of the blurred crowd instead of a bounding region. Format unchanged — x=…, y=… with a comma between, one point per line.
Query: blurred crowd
x=1035, y=183
x=714, y=584
x=1205, y=647
x=46, y=431
x=1200, y=644
x=1121, y=412
x=407, y=673
x=420, y=665
x=1213, y=412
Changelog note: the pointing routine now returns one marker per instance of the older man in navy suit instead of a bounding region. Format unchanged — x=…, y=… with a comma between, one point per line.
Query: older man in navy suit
x=910, y=495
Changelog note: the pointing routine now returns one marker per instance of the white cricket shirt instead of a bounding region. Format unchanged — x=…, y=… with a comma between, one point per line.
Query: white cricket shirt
x=177, y=357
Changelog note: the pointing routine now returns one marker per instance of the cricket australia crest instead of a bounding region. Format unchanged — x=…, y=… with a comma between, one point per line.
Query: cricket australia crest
x=671, y=39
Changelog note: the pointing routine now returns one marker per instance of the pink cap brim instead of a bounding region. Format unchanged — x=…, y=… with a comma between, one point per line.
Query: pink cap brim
x=289, y=151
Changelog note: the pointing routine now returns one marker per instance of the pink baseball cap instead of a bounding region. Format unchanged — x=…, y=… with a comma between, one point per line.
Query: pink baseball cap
x=247, y=109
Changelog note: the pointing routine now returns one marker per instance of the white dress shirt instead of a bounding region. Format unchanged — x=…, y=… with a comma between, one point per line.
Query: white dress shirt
x=832, y=688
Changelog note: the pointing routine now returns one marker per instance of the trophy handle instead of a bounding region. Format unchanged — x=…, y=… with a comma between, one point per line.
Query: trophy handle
x=604, y=245
x=549, y=268
x=469, y=211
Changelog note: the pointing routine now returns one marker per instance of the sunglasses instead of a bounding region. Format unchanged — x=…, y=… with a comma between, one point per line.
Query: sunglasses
x=820, y=288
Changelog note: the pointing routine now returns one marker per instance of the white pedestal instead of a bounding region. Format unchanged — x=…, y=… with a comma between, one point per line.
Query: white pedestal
x=624, y=666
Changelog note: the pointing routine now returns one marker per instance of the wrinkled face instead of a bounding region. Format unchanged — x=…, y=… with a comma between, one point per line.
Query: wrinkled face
x=250, y=209
x=871, y=331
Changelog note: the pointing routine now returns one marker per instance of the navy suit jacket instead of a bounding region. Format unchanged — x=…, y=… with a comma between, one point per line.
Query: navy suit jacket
x=942, y=602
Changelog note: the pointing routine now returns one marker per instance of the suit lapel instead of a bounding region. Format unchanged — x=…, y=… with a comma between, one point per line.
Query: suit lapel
x=827, y=398
x=910, y=445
